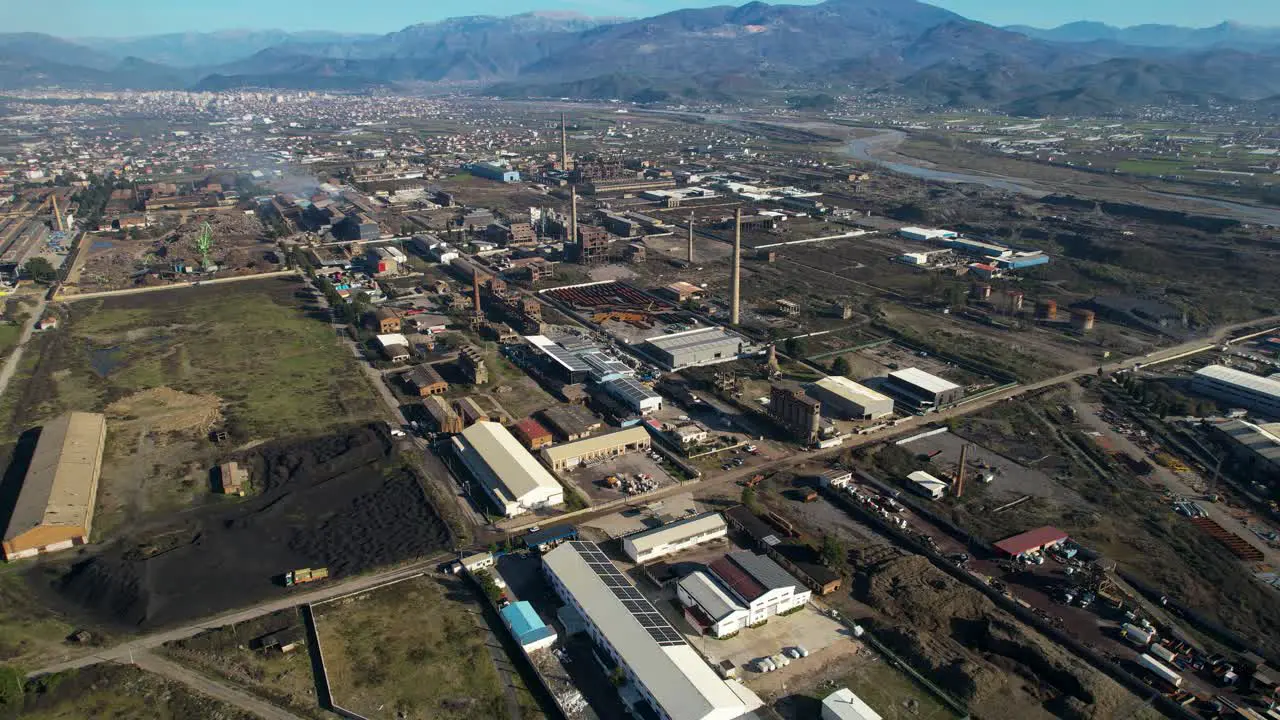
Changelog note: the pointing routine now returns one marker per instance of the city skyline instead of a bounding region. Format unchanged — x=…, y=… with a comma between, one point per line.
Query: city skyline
x=118, y=18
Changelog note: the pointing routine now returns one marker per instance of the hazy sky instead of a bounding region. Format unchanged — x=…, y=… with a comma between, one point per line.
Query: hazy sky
x=78, y=18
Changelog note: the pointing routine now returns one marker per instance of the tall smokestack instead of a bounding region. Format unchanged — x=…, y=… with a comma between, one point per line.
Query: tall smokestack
x=573, y=220
x=737, y=266
x=564, y=144
x=475, y=292
x=690, y=238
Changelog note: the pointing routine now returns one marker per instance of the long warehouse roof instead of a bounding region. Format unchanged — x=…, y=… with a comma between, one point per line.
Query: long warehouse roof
x=850, y=390
x=678, y=530
x=680, y=681
x=676, y=342
x=508, y=461
x=597, y=443
x=923, y=380
x=59, y=488
x=1239, y=378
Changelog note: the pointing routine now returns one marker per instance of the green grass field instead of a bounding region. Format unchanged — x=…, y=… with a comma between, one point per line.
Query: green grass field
x=410, y=651
x=892, y=693
x=1153, y=167
x=278, y=370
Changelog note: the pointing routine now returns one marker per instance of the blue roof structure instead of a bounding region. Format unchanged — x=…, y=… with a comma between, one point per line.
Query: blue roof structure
x=525, y=623
x=538, y=538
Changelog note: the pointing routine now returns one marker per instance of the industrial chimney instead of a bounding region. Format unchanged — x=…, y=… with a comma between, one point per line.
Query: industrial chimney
x=690, y=238
x=564, y=144
x=737, y=267
x=573, y=222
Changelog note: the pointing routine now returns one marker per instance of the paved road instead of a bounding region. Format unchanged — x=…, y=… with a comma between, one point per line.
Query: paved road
x=176, y=286
x=211, y=687
x=15, y=357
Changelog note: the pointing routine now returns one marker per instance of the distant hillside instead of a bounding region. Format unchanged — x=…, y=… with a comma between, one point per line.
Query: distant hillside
x=718, y=54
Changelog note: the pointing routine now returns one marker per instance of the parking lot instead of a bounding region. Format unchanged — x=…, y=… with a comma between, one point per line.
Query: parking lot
x=636, y=470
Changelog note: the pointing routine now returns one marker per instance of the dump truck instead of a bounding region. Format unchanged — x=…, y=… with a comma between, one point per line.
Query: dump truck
x=305, y=575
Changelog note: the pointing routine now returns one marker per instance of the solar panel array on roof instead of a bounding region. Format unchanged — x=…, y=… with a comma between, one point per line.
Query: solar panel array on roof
x=640, y=608
x=631, y=391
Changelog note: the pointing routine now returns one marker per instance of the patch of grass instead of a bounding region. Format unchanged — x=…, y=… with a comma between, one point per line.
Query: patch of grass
x=30, y=633
x=121, y=692
x=9, y=334
x=891, y=693
x=415, y=649
x=283, y=679
x=279, y=370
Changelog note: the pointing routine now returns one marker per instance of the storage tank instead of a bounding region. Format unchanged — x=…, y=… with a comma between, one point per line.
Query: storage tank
x=1047, y=310
x=1082, y=320
x=1136, y=635
x=1160, y=670
x=1015, y=300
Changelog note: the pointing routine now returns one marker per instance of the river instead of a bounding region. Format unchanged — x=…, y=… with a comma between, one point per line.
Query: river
x=864, y=149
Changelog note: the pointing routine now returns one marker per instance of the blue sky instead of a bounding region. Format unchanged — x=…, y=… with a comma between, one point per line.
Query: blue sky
x=78, y=18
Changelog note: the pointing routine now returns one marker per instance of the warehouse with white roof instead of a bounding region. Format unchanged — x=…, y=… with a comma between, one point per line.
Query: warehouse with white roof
x=673, y=537
x=844, y=398
x=668, y=674
x=701, y=346
x=511, y=477
x=919, y=390
x=1239, y=389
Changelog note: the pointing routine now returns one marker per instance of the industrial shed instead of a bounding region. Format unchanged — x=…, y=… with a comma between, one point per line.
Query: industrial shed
x=54, y=510
x=842, y=397
x=571, y=455
x=920, y=390
x=510, y=476
x=703, y=346
x=673, y=537
x=634, y=395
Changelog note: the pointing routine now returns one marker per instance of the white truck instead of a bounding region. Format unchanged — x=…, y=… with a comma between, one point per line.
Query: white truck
x=1137, y=635
x=1160, y=670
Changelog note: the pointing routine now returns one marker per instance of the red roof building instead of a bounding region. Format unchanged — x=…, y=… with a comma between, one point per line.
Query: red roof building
x=1031, y=541
x=531, y=434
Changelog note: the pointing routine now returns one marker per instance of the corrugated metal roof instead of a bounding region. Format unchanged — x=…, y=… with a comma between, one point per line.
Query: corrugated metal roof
x=630, y=390
x=61, y=482
x=677, y=342
x=598, y=443
x=714, y=601
x=1031, y=540
x=1241, y=379
x=765, y=571
x=506, y=459
x=680, y=681
x=850, y=390
x=923, y=380
x=676, y=531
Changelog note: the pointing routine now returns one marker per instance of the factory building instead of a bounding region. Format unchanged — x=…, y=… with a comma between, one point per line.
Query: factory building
x=709, y=606
x=922, y=483
x=796, y=412
x=844, y=398
x=395, y=346
x=759, y=584
x=562, y=364
x=526, y=627
x=600, y=447
x=1237, y=388
x=668, y=675
x=54, y=509
x=1256, y=447
x=703, y=346
x=570, y=422
x=635, y=396
x=531, y=434
x=926, y=234
x=673, y=537
x=510, y=476
x=493, y=171
x=443, y=416
x=1032, y=541
x=919, y=390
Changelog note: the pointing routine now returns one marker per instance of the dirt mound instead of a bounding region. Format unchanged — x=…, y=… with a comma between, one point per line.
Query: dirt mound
x=343, y=502
x=975, y=649
x=164, y=411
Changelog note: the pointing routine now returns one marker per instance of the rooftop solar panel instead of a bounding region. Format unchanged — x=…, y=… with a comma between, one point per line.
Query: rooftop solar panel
x=635, y=603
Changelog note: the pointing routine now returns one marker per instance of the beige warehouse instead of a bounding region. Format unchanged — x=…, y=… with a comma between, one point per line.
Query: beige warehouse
x=570, y=455
x=55, y=506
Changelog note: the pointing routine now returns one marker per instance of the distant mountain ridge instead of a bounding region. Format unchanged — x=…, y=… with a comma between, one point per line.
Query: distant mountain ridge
x=721, y=53
x=1227, y=35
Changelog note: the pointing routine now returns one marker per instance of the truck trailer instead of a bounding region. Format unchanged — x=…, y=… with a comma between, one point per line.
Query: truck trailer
x=1160, y=670
x=305, y=575
x=1137, y=635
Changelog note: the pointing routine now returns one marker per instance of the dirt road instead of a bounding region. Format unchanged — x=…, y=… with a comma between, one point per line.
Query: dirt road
x=211, y=687
x=176, y=286
x=15, y=357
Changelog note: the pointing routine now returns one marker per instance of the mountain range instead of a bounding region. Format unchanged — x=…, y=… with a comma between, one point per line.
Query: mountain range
x=900, y=47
